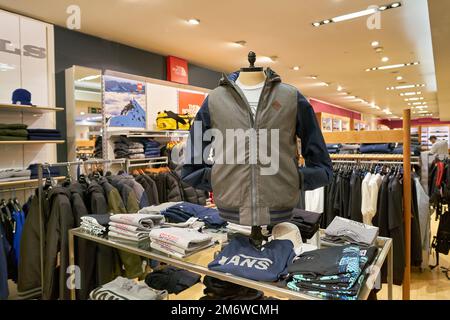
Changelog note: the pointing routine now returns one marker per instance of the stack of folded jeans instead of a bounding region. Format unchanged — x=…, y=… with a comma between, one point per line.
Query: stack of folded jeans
x=126, y=148
x=222, y=290
x=95, y=224
x=126, y=289
x=347, y=231
x=377, y=148
x=152, y=148
x=335, y=273
x=14, y=175
x=44, y=134
x=179, y=242
x=13, y=132
x=133, y=229
x=181, y=212
x=47, y=172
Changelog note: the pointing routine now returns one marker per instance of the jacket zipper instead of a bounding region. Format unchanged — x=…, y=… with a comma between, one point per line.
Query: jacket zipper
x=253, y=124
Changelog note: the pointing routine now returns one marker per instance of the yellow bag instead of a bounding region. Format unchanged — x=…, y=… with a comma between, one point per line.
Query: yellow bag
x=169, y=120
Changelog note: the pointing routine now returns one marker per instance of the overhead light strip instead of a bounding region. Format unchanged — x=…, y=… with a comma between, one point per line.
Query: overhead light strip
x=358, y=14
x=393, y=66
x=410, y=86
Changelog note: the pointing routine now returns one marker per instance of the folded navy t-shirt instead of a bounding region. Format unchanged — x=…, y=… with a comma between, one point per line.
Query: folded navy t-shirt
x=241, y=258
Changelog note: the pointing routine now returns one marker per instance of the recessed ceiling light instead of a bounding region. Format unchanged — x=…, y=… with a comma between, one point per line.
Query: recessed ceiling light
x=409, y=86
x=194, y=21
x=375, y=44
x=414, y=99
x=296, y=68
x=240, y=43
x=393, y=66
x=313, y=77
x=379, y=49
x=405, y=94
x=358, y=14
x=339, y=88
x=324, y=84
x=385, y=59
x=399, y=78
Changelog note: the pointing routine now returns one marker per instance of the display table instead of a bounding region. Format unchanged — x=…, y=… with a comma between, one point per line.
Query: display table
x=198, y=263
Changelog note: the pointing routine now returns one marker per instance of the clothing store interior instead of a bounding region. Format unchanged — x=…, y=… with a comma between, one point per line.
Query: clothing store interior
x=224, y=150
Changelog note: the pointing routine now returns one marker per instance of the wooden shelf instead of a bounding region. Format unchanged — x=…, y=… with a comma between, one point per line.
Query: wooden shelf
x=33, y=142
x=388, y=136
x=29, y=109
x=20, y=182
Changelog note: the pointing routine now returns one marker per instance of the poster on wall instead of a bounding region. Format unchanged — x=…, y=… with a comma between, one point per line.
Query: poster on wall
x=190, y=102
x=125, y=103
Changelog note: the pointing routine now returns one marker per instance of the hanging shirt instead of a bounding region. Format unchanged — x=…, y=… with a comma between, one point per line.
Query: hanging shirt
x=365, y=201
x=252, y=94
x=374, y=187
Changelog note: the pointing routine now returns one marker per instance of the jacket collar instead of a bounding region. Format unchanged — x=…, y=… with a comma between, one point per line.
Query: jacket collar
x=271, y=75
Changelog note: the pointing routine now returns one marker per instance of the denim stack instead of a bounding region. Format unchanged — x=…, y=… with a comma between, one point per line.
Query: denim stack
x=44, y=134
x=152, y=148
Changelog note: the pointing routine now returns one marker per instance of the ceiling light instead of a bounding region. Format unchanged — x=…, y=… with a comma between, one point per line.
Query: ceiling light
x=82, y=113
x=379, y=49
x=194, y=21
x=405, y=94
x=414, y=99
x=314, y=77
x=358, y=14
x=324, y=84
x=393, y=66
x=375, y=44
x=339, y=88
x=399, y=78
x=409, y=86
x=385, y=59
x=240, y=43
x=296, y=68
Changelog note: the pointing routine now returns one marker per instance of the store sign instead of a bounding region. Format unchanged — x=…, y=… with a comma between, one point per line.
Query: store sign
x=177, y=70
x=27, y=50
x=190, y=102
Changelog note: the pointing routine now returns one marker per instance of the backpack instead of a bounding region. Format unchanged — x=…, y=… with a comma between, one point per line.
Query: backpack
x=441, y=242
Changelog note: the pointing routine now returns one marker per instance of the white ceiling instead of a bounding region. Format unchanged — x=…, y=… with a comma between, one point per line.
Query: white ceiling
x=338, y=53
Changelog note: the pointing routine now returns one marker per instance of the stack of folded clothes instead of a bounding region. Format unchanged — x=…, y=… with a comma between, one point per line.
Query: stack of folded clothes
x=126, y=289
x=172, y=279
x=48, y=172
x=183, y=211
x=152, y=148
x=377, y=148
x=179, y=242
x=133, y=229
x=307, y=222
x=347, y=231
x=333, y=148
x=126, y=148
x=14, y=175
x=95, y=224
x=13, y=132
x=44, y=134
x=335, y=273
x=222, y=290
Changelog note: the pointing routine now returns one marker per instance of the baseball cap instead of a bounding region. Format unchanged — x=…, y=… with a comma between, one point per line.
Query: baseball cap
x=289, y=231
x=21, y=96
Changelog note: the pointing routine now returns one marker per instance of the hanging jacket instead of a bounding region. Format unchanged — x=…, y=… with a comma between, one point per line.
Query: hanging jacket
x=77, y=199
x=150, y=188
x=4, y=291
x=174, y=190
x=126, y=193
x=241, y=192
x=138, y=190
x=96, y=199
x=115, y=202
x=29, y=273
x=56, y=256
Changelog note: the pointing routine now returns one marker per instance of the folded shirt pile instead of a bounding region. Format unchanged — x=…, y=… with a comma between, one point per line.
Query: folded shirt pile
x=48, y=172
x=179, y=242
x=13, y=132
x=133, y=229
x=152, y=148
x=126, y=289
x=14, y=175
x=241, y=258
x=345, y=231
x=181, y=212
x=377, y=148
x=126, y=148
x=95, y=224
x=172, y=279
x=307, y=222
x=44, y=134
x=335, y=273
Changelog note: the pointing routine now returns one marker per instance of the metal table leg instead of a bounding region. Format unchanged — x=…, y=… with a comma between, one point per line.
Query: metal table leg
x=390, y=272
x=72, y=264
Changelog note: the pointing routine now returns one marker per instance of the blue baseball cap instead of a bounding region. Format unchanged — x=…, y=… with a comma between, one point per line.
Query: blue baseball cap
x=21, y=96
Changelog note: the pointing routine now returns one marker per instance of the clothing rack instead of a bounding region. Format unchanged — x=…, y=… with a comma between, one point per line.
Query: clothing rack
x=41, y=168
x=388, y=136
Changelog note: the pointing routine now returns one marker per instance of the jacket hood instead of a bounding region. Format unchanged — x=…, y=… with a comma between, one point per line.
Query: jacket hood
x=53, y=193
x=94, y=187
x=77, y=188
x=271, y=75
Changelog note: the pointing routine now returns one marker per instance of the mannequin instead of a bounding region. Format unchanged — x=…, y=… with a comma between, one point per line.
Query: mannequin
x=253, y=76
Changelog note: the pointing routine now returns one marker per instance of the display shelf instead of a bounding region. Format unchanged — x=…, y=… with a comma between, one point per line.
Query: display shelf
x=198, y=262
x=33, y=142
x=28, y=109
x=21, y=182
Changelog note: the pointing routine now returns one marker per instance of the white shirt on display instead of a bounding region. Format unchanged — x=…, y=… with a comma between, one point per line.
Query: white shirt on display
x=252, y=94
